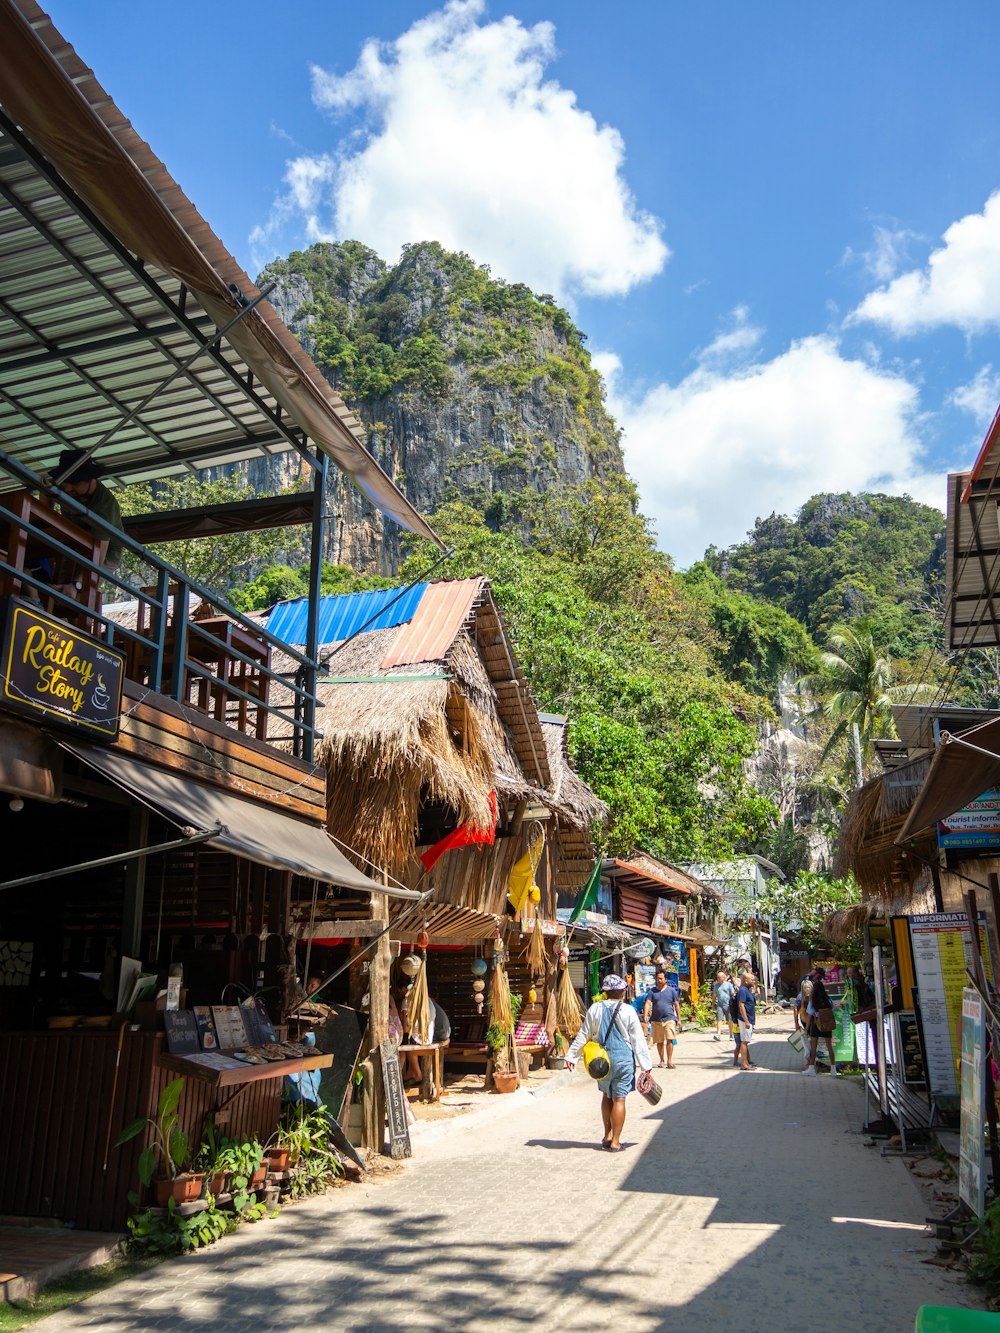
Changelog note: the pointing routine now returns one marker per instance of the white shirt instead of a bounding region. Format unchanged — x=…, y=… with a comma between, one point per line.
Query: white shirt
x=595, y=1025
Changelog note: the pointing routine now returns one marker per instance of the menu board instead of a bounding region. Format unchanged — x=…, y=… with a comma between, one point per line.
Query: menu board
x=942, y=950
x=229, y=1026
x=971, y=1144
x=182, y=1032
x=206, y=1028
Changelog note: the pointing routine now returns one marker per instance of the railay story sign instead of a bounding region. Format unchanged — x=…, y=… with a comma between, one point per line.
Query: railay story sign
x=55, y=673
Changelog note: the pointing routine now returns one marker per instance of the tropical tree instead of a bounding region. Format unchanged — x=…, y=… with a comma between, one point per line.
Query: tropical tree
x=855, y=689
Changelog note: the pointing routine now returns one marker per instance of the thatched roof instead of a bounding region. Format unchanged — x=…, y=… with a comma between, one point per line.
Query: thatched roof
x=885, y=872
x=575, y=802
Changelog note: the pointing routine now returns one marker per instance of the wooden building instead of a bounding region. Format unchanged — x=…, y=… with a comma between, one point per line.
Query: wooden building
x=147, y=813
x=429, y=726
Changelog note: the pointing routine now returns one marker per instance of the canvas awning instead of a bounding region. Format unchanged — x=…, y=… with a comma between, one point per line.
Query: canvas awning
x=244, y=828
x=961, y=768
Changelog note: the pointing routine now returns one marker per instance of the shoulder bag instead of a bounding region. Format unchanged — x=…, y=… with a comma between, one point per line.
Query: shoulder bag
x=595, y=1055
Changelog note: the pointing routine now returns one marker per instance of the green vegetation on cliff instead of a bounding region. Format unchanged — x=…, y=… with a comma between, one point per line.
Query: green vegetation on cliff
x=844, y=557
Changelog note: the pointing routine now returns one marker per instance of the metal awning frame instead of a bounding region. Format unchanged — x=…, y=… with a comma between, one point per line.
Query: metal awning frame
x=135, y=854
x=285, y=433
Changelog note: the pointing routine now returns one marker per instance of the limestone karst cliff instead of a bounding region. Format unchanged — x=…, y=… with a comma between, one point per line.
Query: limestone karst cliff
x=469, y=388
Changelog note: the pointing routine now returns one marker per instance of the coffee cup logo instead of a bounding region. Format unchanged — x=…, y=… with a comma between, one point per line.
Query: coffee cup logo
x=101, y=697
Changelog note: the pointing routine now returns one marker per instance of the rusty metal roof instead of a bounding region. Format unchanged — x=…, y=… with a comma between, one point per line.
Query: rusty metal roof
x=441, y=613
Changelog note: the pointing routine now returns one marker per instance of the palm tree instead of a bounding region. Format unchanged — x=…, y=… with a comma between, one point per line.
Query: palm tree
x=854, y=686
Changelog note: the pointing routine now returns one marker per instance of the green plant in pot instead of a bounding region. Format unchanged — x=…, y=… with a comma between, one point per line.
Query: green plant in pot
x=500, y=1040
x=216, y=1158
x=556, y=1058
x=168, y=1146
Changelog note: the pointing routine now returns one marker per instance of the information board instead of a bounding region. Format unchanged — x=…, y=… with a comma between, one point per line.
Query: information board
x=976, y=825
x=942, y=950
x=972, y=1143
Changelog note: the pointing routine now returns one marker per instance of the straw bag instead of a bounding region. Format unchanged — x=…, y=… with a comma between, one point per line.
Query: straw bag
x=595, y=1055
x=648, y=1086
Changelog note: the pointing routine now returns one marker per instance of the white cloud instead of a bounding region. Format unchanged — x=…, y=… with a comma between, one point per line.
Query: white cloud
x=722, y=449
x=465, y=141
x=887, y=254
x=980, y=396
x=734, y=344
x=959, y=286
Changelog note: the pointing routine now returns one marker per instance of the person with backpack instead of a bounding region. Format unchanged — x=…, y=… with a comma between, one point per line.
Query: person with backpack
x=616, y=1028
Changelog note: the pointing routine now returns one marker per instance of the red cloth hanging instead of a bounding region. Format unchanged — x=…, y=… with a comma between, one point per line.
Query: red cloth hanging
x=464, y=836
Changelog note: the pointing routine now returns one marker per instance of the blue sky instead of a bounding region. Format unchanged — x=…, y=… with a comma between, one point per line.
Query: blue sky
x=774, y=222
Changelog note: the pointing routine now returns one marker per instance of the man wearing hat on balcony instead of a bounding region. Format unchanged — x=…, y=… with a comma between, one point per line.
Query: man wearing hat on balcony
x=84, y=484
x=617, y=1028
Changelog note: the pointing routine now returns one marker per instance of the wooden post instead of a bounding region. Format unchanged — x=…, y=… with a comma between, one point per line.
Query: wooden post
x=378, y=1011
x=135, y=884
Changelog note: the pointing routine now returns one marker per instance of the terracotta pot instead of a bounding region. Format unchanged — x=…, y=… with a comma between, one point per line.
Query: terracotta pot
x=504, y=1082
x=184, y=1188
x=219, y=1183
x=258, y=1178
x=277, y=1158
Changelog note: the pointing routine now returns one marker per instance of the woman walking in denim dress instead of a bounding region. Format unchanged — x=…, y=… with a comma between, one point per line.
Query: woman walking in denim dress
x=617, y=1027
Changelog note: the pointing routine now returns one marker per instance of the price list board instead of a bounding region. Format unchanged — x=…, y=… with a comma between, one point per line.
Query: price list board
x=942, y=950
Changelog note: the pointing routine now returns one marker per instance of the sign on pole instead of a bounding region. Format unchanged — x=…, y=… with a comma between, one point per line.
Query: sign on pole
x=972, y=1139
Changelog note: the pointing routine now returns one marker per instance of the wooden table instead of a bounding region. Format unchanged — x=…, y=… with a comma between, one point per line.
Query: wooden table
x=431, y=1056
x=243, y=1077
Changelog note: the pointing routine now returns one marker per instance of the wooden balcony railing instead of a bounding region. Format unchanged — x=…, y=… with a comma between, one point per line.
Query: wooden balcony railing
x=214, y=659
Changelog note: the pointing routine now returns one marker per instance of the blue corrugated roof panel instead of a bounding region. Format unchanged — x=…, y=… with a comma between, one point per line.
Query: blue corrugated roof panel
x=340, y=617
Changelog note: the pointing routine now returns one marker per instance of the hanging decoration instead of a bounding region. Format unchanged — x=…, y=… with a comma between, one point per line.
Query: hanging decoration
x=500, y=1010
x=410, y=964
x=522, y=877
x=419, y=1002
x=569, y=1011
x=466, y=835
x=478, y=967
x=536, y=948
x=418, y=1006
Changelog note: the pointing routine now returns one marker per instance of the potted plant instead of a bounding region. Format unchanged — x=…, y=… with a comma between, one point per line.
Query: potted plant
x=501, y=1043
x=556, y=1058
x=249, y=1168
x=169, y=1146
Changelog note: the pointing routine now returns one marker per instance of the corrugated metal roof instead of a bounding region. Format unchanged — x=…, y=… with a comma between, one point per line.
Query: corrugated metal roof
x=443, y=610
x=340, y=617
x=105, y=303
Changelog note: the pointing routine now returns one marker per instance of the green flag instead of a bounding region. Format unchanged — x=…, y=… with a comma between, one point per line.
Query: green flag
x=588, y=894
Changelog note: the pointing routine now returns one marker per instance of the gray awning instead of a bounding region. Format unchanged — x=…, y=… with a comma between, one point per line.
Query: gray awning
x=245, y=828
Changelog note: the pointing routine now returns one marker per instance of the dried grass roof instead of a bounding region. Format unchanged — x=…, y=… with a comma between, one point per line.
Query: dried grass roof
x=886, y=873
x=577, y=804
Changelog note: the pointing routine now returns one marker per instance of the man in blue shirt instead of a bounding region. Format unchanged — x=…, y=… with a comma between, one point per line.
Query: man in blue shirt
x=663, y=1004
x=748, y=1016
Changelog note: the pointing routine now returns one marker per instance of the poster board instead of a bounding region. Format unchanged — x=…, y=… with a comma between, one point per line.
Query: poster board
x=942, y=950
x=972, y=1141
x=395, y=1101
